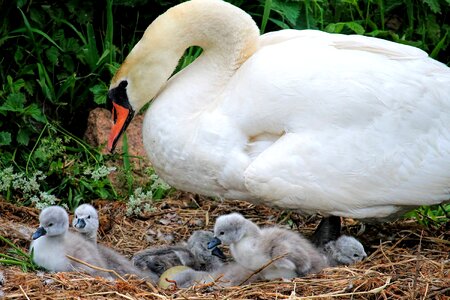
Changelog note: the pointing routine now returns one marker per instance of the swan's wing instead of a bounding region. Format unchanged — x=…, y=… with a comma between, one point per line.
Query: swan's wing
x=341, y=41
x=352, y=132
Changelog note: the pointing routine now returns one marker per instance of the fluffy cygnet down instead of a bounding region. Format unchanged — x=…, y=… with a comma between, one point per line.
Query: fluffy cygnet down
x=346, y=250
x=52, y=242
x=289, y=254
x=86, y=222
x=195, y=254
x=231, y=274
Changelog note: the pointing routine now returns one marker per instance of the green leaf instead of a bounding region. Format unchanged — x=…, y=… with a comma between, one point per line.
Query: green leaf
x=358, y=29
x=35, y=112
x=23, y=136
x=52, y=55
x=14, y=102
x=334, y=27
x=5, y=138
x=434, y=6
x=438, y=47
x=18, y=55
x=21, y=3
x=289, y=10
x=100, y=92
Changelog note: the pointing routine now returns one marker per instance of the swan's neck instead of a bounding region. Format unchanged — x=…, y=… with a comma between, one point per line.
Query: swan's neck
x=227, y=35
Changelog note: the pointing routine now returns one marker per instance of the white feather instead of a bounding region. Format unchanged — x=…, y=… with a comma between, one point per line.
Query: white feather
x=345, y=125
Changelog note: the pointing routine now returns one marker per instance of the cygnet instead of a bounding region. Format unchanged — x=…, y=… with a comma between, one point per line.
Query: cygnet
x=52, y=242
x=231, y=274
x=86, y=222
x=346, y=250
x=195, y=254
x=283, y=253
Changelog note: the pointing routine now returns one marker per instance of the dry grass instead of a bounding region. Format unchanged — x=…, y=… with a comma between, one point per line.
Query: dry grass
x=405, y=261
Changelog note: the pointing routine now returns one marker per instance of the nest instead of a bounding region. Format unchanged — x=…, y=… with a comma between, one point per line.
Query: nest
x=405, y=260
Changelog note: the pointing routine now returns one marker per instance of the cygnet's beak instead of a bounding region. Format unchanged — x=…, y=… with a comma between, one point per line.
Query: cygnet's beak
x=218, y=252
x=80, y=223
x=38, y=233
x=214, y=243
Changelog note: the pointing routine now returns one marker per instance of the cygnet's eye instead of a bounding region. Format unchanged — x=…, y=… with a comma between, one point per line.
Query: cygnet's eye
x=50, y=225
x=222, y=233
x=355, y=255
x=89, y=217
x=76, y=217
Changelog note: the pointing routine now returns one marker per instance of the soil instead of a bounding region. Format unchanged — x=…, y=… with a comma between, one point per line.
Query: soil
x=405, y=260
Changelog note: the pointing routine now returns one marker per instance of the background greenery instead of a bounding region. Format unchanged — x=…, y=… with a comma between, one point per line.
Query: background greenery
x=57, y=58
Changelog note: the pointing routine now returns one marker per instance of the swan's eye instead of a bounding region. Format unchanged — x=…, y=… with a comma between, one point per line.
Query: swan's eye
x=355, y=255
x=222, y=233
x=76, y=217
x=50, y=225
x=89, y=217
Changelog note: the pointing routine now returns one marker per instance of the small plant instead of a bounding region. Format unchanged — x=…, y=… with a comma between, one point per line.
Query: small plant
x=17, y=257
x=141, y=201
x=431, y=216
x=74, y=173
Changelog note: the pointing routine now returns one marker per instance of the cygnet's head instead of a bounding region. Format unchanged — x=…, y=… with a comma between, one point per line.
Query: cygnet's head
x=346, y=250
x=198, y=245
x=53, y=220
x=229, y=229
x=85, y=219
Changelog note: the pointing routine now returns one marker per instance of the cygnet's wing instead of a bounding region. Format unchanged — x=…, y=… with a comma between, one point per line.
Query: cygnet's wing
x=234, y=274
x=160, y=259
x=329, y=229
x=227, y=275
x=298, y=253
x=119, y=263
x=190, y=277
x=76, y=246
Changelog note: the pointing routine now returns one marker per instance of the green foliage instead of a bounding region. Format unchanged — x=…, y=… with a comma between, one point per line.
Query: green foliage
x=142, y=199
x=74, y=172
x=431, y=216
x=17, y=257
x=423, y=24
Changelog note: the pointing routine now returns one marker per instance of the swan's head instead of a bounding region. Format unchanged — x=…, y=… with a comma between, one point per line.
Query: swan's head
x=85, y=219
x=230, y=229
x=53, y=221
x=346, y=250
x=143, y=73
x=198, y=244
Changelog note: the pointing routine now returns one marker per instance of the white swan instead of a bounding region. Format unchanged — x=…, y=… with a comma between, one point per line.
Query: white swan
x=342, y=125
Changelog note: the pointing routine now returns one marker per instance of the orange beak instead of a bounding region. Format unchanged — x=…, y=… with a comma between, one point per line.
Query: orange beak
x=122, y=117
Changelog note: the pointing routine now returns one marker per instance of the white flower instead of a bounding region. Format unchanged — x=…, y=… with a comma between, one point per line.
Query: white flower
x=100, y=172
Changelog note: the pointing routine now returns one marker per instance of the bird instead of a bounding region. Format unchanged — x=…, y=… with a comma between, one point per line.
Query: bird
x=340, y=125
x=52, y=242
x=346, y=250
x=86, y=222
x=230, y=274
x=281, y=252
x=194, y=254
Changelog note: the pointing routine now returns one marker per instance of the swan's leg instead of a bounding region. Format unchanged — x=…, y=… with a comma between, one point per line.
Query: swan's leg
x=329, y=229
